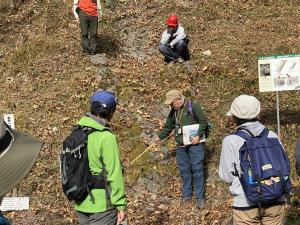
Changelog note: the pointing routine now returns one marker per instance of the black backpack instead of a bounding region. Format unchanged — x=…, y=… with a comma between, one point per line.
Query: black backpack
x=77, y=180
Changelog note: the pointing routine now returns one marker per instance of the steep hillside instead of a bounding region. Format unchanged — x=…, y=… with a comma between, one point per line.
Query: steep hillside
x=46, y=82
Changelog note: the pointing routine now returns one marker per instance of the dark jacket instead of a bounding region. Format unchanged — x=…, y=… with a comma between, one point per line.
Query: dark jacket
x=298, y=156
x=185, y=119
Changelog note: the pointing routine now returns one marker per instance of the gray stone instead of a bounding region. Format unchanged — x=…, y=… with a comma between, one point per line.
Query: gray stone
x=164, y=150
x=138, y=54
x=153, y=187
x=164, y=161
x=154, y=156
x=103, y=72
x=99, y=59
x=131, y=36
x=207, y=53
x=153, y=182
x=142, y=181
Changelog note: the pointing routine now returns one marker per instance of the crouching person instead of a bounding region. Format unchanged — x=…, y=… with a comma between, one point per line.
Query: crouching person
x=257, y=173
x=174, y=42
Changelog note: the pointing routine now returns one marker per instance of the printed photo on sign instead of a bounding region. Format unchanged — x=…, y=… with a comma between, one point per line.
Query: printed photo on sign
x=265, y=70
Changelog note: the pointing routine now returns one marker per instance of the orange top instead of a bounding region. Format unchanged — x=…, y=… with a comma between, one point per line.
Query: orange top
x=89, y=7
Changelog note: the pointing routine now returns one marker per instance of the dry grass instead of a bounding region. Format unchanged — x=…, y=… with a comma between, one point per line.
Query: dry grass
x=47, y=83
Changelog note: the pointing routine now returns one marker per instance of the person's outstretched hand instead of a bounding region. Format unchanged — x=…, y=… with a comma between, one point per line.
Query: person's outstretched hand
x=158, y=141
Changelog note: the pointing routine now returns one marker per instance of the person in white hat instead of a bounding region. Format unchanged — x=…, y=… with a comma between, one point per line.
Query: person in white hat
x=245, y=110
x=18, y=153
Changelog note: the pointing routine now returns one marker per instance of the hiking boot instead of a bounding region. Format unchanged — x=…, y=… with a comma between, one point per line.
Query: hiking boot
x=180, y=60
x=200, y=203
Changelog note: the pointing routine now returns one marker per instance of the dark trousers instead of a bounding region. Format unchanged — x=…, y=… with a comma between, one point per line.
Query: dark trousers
x=89, y=27
x=190, y=164
x=103, y=218
x=179, y=50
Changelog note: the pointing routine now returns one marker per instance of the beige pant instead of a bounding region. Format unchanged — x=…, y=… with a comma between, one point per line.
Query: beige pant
x=272, y=215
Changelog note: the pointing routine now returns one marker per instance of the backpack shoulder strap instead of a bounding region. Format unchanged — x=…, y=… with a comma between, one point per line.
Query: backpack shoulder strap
x=243, y=133
x=189, y=105
x=89, y=130
x=246, y=134
x=264, y=133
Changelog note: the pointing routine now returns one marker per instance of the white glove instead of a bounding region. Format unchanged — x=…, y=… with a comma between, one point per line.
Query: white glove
x=75, y=7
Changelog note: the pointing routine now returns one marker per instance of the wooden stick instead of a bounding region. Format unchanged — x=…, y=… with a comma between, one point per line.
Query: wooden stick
x=147, y=149
x=150, y=146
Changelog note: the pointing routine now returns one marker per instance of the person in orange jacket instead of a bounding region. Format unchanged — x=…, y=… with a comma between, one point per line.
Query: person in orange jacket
x=88, y=13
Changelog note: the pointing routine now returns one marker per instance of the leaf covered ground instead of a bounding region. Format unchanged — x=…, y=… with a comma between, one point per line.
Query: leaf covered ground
x=46, y=82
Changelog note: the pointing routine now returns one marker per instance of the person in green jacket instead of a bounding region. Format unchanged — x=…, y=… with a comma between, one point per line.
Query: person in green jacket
x=109, y=207
x=189, y=156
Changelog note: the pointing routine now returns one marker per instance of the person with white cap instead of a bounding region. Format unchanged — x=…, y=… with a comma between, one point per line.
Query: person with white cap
x=18, y=154
x=189, y=157
x=245, y=110
x=109, y=204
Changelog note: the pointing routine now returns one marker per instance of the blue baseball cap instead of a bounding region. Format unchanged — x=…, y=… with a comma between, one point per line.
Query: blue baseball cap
x=108, y=99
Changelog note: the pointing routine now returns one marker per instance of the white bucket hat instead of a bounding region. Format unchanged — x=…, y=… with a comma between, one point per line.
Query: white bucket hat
x=244, y=107
x=18, y=153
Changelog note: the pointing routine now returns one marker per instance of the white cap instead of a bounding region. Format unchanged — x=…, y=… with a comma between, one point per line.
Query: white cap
x=244, y=107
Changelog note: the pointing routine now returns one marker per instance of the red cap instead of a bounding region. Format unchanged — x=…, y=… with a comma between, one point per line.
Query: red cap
x=172, y=21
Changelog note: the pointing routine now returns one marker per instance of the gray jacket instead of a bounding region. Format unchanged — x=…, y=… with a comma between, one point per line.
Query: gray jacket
x=229, y=155
x=298, y=156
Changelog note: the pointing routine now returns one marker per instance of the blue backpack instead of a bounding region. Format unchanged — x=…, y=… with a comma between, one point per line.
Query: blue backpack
x=265, y=168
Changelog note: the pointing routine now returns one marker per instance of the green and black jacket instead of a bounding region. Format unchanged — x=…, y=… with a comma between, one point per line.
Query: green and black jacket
x=182, y=117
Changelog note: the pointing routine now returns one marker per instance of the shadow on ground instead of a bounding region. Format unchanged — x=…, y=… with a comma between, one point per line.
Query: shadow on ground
x=286, y=117
x=108, y=45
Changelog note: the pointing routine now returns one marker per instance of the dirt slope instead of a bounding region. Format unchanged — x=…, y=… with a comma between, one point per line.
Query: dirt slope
x=46, y=83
